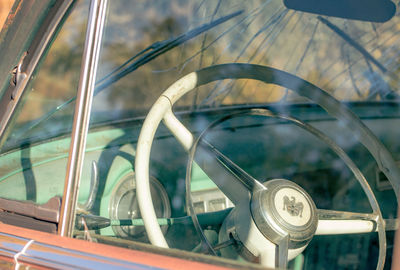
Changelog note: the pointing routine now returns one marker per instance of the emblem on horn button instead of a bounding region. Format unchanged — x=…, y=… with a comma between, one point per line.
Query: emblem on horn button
x=293, y=208
x=284, y=209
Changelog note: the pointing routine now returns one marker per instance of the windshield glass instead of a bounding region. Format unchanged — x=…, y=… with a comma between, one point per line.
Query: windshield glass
x=259, y=65
x=350, y=59
x=148, y=46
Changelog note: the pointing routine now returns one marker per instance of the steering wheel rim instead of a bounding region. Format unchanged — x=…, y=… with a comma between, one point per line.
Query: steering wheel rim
x=315, y=132
x=163, y=107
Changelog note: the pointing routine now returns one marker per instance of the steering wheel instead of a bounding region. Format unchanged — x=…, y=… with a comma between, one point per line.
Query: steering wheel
x=274, y=222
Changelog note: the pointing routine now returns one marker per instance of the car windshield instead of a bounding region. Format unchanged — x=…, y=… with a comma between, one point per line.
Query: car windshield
x=284, y=113
x=148, y=46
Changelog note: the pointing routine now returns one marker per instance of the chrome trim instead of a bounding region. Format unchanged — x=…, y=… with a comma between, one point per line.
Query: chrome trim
x=26, y=252
x=82, y=115
x=56, y=252
x=22, y=252
x=275, y=226
x=94, y=186
x=344, y=215
x=51, y=256
x=11, y=245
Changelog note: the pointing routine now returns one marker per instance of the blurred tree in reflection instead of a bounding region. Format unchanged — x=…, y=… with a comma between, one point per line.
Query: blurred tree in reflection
x=266, y=33
x=57, y=78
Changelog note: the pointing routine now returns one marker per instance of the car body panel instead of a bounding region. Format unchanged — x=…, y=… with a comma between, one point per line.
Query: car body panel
x=53, y=251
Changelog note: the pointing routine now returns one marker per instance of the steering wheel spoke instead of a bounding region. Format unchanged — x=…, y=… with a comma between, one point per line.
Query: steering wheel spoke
x=181, y=133
x=276, y=209
x=331, y=222
x=283, y=250
x=340, y=222
x=227, y=175
x=233, y=181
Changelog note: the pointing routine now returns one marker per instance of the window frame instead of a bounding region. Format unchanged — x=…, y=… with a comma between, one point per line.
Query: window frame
x=50, y=17
x=28, y=56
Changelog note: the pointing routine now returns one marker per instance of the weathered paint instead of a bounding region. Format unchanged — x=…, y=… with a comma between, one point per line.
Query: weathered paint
x=47, y=249
x=21, y=26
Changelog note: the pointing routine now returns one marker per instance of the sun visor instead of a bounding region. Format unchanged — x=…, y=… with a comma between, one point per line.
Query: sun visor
x=363, y=10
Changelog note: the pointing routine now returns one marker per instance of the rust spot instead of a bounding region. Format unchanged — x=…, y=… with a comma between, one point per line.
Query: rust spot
x=11, y=15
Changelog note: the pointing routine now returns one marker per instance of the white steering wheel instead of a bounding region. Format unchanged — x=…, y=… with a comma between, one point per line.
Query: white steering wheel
x=243, y=190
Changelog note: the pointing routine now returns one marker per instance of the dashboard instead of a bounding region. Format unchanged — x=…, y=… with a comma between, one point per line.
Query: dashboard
x=266, y=148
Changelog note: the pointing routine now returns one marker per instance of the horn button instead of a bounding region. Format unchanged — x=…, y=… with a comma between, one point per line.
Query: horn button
x=284, y=209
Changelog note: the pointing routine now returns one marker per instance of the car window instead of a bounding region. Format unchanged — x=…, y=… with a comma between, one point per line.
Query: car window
x=277, y=118
x=259, y=132
x=55, y=80
x=361, y=54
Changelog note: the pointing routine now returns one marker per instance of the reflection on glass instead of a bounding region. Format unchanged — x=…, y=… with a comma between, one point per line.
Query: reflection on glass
x=150, y=45
x=55, y=80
